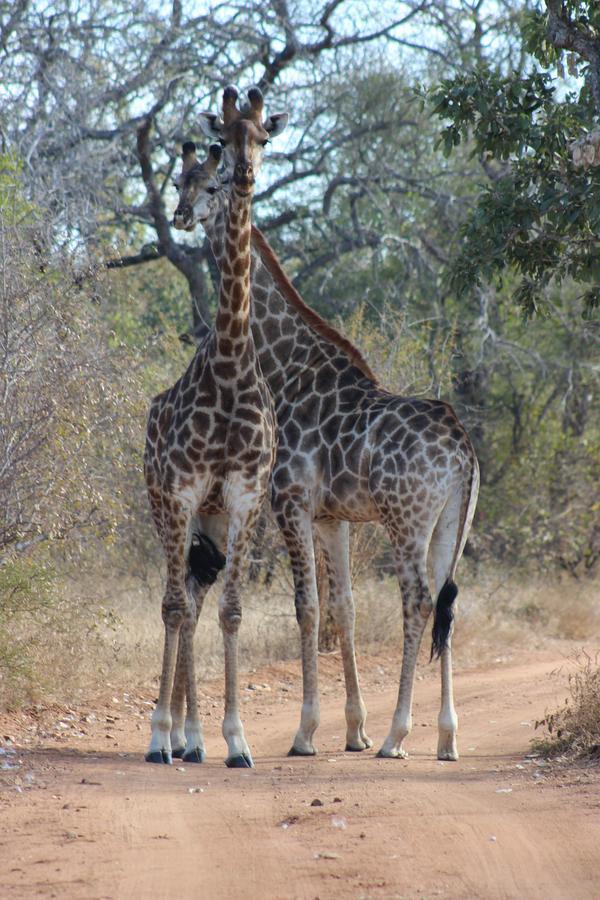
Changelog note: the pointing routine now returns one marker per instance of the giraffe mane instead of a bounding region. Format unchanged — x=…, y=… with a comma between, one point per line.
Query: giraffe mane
x=308, y=314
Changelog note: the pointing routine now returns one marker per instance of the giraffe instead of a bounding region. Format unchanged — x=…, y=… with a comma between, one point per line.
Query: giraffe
x=210, y=447
x=351, y=451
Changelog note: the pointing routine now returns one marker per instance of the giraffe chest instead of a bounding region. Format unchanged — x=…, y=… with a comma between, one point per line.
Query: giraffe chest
x=214, y=431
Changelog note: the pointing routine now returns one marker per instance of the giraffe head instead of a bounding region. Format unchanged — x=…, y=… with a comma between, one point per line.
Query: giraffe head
x=197, y=185
x=243, y=133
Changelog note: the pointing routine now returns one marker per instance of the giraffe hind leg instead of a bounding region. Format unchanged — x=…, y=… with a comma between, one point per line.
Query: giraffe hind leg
x=417, y=606
x=442, y=648
x=335, y=541
x=296, y=527
x=441, y=553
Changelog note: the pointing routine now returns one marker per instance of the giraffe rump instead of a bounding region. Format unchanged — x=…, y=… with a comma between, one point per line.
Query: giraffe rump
x=443, y=618
x=205, y=559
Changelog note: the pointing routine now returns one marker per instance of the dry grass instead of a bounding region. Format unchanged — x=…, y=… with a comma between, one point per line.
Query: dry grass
x=493, y=614
x=268, y=632
x=574, y=729
x=109, y=632
x=496, y=613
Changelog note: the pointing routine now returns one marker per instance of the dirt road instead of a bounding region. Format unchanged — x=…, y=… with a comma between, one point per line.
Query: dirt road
x=81, y=815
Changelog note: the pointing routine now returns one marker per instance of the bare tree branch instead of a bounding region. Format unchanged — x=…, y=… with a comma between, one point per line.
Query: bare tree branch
x=566, y=35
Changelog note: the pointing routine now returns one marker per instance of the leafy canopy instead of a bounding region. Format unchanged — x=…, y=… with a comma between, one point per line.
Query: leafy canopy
x=537, y=214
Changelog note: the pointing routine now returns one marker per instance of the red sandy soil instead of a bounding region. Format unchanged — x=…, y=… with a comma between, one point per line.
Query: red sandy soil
x=82, y=815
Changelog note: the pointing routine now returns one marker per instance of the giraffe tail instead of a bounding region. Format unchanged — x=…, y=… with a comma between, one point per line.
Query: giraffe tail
x=205, y=559
x=450, y=535
x=443, y=618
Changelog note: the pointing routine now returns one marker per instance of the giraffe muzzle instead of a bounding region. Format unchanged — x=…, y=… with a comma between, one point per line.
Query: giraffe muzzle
x=183, y=219
x=243, y=177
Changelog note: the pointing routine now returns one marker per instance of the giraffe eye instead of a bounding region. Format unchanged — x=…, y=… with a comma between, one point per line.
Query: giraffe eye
x=211, y=190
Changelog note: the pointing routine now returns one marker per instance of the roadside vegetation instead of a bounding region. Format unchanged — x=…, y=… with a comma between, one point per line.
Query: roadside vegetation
x=573, y=730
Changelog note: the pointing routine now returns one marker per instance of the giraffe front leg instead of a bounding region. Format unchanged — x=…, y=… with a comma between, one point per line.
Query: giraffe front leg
x=230, y=616
x=187, y=738
x=176, y=609
x=417, y=606
x=335, y=539
x=178, y=707
x=160, y=741
x=194, y=735
x=296, y=527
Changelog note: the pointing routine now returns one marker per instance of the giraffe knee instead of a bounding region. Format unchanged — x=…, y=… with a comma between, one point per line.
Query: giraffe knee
x=172, y=616
x=343, y=613
x=426, y=606
x=230, y=613
x=306, y=612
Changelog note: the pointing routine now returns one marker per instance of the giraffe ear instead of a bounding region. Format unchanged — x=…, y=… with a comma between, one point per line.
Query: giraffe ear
x=276, y=123
x=211, y=125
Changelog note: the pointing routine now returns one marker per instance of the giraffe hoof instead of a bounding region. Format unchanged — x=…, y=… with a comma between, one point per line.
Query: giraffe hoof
x=159, y=756
x=391, y=754
x=448, y=755
x=243, y=761
x=295, y=752
x=179, y=753
x=350, y=749
x=196, y=755
x=366, y=740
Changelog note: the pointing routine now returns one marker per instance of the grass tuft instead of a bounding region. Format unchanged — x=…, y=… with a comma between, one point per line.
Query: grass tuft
x=574, y=729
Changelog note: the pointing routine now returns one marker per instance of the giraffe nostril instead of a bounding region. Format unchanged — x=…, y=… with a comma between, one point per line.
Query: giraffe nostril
x=182, y=218
x=244, y=172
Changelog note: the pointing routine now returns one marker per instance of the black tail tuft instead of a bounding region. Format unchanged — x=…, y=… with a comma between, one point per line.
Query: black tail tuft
x=442, y=618
x=205, y=559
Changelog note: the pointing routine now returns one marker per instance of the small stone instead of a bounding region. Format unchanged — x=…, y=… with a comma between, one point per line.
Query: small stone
x=327, y=855
x=337, y=799
x=316, y=802
x=180, y=769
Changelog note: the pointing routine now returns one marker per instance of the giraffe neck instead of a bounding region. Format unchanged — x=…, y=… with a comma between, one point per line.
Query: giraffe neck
x=232, y=319
x=285, y=343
